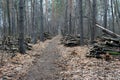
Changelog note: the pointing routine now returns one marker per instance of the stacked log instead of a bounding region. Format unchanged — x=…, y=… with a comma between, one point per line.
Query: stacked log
x=71, y=40
x=105, y=46
x=11, y=45
x=47, y=35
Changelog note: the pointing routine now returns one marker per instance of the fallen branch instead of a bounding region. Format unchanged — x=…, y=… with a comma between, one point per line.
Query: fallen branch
x=108, y=31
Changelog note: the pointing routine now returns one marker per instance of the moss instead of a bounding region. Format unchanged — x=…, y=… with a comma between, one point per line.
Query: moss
x=114, y=53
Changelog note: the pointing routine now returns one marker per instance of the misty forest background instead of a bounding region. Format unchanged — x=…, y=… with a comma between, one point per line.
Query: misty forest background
x=20, y=19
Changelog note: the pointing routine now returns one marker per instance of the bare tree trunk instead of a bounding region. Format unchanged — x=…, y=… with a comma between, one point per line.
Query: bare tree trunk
x=105, y=13
x=13, y=19
x=41, y=21
x=81, y=22
x=4, y=20
x=113, y=20
x=115, y=12
x=48, y=27
x=89, y=8
x=70, y=16
x=66, y=18
x=34, y=40
x=93, y=21
x=21, y=27
x=9, y=21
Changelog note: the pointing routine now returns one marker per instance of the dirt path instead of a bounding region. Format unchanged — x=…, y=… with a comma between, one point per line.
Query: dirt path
x=45, y=67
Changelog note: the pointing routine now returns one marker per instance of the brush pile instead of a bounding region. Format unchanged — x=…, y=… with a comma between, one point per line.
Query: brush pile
x=105, y=47
x=47, y=35
x=11, y=45
x=71, y=40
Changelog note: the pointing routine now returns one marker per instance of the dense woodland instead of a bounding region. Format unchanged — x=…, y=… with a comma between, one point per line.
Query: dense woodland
x=33, y=18
x=66, y=33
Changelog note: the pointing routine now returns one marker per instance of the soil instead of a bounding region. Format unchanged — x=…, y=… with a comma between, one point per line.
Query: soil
x=53, y=61
x=45, y=67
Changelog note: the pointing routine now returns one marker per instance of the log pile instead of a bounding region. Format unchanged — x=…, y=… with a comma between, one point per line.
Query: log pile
x=71, y=40
x=28, y=40
x=11, y=45
x=105, y=47
x=47, y=35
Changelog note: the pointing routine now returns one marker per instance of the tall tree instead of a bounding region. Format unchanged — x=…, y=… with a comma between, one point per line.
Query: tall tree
x=8, y=14
x=93, y=21
x=80, y=21
x=21, y=27
x=113, y=19
x=13, y=18
x=70, y=16
x=41, y=21
x=33, y=3
x=105, y=13
x=46, y=18
x=4, y=20
x=66, y=18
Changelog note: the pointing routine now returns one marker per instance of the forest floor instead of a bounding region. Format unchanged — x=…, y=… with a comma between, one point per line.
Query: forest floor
x=45, y=67
x=53, y=61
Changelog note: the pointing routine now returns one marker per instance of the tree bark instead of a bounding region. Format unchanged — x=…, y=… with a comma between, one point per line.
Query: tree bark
x=21, y=27
x=66, y=18
x=93, y=21
x=112, y=16
x=9, y=21
x=81, y=22
x=105, y=13
x=41, y=21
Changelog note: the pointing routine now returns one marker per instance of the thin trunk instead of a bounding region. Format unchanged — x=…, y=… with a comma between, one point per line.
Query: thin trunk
x=105, y=13
x=112, y=16
x=48, y=27
x=41, y=21
x=66, y=18
x=33, y=22
x=70, y=16
x=9, y=21
x=81, y=22
x=93, y=21
x=13, y=19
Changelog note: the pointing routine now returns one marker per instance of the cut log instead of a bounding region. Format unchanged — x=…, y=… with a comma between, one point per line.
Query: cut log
x=112, y=44
x=71, y=40
x=47, y=35
x=108, y=31
x=116, y=40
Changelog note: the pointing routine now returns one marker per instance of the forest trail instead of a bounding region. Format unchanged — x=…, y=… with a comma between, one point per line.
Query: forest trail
x=54, y=61
x=45, y=67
